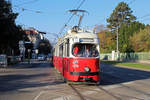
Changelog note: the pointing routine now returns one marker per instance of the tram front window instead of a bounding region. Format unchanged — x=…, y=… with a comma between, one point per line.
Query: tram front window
x=85, y=50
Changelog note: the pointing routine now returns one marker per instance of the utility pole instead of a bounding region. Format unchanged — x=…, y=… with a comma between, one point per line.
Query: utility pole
x=117, y=40
x=118, y=55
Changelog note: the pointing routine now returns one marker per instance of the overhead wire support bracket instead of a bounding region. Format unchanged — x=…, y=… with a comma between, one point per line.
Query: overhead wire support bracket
x=71, y=17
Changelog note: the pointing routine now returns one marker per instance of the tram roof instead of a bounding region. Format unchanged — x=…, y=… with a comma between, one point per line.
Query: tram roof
x=80, y=34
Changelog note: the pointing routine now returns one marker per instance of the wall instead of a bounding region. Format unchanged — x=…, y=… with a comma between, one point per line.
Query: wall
x=145, y=56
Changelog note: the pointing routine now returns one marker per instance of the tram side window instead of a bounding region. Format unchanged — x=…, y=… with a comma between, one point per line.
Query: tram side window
x=85, y=50
x=78, y=50
x=94, y=51
x=68, y=48
x=54, y=52
x=61, y=50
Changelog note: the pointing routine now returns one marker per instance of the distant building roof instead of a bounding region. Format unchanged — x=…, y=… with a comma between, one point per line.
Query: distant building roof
x=31, y=31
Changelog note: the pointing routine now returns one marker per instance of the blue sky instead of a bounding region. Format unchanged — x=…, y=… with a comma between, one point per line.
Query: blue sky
x=54, y=12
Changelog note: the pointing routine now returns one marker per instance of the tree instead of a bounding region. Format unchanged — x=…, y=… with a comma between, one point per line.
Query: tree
x=141, y=41
x=107, y=44
x=10, y=33
x=121, y=14
x=126, y=31
x=122, y=21
x=44, y=47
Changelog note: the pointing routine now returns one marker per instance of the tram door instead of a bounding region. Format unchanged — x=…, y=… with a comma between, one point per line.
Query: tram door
x=61, y=58
x=66, y=60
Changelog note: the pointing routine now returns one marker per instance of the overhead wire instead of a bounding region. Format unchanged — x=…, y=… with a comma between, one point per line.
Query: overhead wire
x=105, y=18
x=143, y=17
x=131, y=2
x=25, y=9
x=127, y=3
x=80, y=4
x=27, y=2
x=71, y=17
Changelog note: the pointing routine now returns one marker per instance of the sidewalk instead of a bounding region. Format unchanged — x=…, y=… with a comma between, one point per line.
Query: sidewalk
x=145, y=62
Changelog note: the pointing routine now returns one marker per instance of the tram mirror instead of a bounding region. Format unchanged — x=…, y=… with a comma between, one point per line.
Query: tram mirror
x=67, y=41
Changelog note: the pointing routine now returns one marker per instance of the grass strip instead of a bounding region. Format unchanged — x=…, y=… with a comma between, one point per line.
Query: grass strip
x=128, y=64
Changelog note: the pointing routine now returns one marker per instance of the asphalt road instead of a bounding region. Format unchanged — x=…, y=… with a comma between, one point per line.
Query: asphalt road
x=39, y=81
x=24, y=81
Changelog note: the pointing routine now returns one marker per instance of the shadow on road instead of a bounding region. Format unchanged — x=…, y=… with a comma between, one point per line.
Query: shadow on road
x=24, y=65
x=115, y=75
x=24, y=76
x=40, y=74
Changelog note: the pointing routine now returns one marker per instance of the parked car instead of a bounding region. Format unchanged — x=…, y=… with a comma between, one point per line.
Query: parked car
x=41, y=57
x=3, y=60
x=48, y=57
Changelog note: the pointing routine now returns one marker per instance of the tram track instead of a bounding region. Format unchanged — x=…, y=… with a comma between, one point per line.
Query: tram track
x=97, y=87
x=128, y=87
x=102, y=90
x=116, y=96
x=77, y=92
x=111, y=94
x=119, y=96
x=131, y=88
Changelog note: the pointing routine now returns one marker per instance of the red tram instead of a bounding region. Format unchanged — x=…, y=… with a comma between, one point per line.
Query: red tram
x=76, y=56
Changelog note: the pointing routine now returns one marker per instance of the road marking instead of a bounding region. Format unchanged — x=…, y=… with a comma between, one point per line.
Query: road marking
x=111, y=86
x=90, y=91
x=36, y=98
x=126, y=83
x=64, y=97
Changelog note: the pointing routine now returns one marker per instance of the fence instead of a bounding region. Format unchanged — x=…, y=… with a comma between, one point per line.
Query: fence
x=127, y=56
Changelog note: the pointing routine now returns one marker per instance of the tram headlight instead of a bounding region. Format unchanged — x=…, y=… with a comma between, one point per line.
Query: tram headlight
x=86, y=69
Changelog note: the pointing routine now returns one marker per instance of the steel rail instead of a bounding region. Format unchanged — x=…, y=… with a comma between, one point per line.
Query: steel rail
x=77, y=92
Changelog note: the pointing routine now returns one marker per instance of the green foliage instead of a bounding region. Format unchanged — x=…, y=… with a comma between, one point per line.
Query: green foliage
x=10, y=33
x=122, y=20
x=44, y=47
x=124, y=64
x=127, y=30
x=140, y=41
x=6, y=13
x=107, y=44
x=121, y=14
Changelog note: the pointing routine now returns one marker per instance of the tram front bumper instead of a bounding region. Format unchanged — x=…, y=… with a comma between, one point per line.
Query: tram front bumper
x=86, y=76
x=84, y=73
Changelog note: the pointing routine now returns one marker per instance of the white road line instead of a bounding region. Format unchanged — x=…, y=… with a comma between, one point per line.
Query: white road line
x=36, y=98
x=111, y=86
x=126, y=83
x=69, y=97
x=90, y=92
